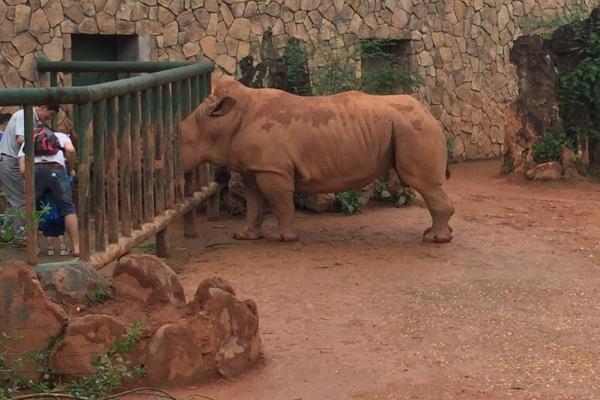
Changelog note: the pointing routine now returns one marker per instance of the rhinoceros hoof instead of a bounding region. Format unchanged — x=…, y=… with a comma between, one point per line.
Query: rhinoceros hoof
x=248, y=234
x=282, y=237
x=444, y=236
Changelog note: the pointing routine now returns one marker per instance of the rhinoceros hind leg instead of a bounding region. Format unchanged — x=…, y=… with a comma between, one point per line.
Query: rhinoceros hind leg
x=441, y=209
x=278, y=190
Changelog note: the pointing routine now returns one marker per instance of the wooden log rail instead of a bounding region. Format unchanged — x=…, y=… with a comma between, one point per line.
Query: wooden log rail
x=129, y=137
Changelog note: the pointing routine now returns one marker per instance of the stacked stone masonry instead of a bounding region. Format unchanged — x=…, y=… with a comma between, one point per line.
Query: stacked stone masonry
x=460, y=47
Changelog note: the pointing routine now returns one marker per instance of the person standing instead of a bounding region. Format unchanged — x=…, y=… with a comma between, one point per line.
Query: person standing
x=11, y=179
x=51, y=175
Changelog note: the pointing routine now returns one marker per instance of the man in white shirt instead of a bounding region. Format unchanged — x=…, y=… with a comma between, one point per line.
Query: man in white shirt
x=51, y=174
x=14, y=136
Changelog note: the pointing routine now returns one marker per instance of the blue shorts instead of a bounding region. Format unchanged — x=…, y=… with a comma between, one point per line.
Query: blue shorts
x=57, y=182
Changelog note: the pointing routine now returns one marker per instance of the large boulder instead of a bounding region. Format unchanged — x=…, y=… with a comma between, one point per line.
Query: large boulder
x=69, y=283
x=549, y=171
x=236, y=328
x=26, y=313
x=148, y=279
x=217, y=336
x=85, y=339
x=182, y=353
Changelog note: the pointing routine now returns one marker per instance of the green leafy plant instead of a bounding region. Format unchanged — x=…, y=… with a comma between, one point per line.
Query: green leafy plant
x=351, y=202
x=450, y=147
x=110, y=371
x=394, y=192
x=297, y=74
x=98, y=296
x=13, y=229
x=548, y=148
x=381, y=72
x=335, y=71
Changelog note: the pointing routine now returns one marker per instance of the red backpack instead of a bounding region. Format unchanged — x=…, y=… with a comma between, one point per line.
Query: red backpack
x=46, y=143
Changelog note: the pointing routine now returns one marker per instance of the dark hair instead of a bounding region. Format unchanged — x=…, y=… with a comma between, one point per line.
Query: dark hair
x=5, y=117
x=52, y=107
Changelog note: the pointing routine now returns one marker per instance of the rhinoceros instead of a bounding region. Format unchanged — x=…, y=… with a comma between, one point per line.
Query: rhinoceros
x=282, y=143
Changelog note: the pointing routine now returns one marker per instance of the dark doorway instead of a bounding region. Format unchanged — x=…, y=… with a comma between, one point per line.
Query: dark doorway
x=102, y=48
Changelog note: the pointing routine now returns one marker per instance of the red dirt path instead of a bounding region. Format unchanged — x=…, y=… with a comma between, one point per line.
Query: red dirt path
x=360, y=309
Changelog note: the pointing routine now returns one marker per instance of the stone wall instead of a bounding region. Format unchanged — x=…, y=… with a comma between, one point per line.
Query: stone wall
x=460, y=47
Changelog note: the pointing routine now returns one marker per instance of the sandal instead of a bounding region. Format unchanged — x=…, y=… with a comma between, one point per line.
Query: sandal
x=50, y=251
x=66, y=252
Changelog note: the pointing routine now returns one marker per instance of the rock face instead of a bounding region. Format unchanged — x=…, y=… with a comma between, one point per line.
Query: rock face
x=549, y=171
x=69, y=283
x=26, y=313
x=461, y=48
x=536, y=110
x=540, y=63
x=148, y=279
x=86, y=338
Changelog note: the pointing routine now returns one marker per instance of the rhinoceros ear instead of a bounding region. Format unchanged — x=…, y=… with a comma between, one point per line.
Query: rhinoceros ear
x=223, y=106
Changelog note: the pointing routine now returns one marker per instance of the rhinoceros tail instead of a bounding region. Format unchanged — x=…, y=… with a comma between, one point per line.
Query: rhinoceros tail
x=447, y=171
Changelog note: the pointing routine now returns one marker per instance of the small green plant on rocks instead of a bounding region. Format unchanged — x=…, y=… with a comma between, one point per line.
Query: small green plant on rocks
x=98, y=296
x=110, y=371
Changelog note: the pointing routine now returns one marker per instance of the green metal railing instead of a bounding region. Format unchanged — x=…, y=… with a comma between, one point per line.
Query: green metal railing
x=129, y=138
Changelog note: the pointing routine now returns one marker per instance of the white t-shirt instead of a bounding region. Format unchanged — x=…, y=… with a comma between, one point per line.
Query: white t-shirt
x=15, y=127
x=58, y=157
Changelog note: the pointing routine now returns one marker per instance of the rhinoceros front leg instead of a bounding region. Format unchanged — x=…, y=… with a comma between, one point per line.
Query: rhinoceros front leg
x=255, y=211
x=278, y=190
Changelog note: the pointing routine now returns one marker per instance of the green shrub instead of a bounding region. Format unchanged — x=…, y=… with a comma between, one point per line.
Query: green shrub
x=394, y=192
x=351, y=202
x=381, y=73
x=110, y=371
x=548, y=148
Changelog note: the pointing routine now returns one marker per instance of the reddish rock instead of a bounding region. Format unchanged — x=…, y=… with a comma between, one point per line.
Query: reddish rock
x=182, y=353
x=549, y=171
x=69, y=283
x=85, y=339
x=148, y=279
x=26, y=311
x=236, y=329
x=202, y=293
x=219, y=337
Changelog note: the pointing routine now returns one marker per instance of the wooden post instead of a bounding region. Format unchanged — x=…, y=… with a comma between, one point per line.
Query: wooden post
x=30, y=206
x=125, y=164
x=178, y=165
x=99, y=116
x=83, y=178
x=112, y=171
x=54, y=83
x=147, y=156
x=169, y=155
x=162, y=237
x=137, y=206
x=159, y=157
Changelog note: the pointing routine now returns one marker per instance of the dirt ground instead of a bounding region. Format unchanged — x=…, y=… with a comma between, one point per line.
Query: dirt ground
x=360, y=309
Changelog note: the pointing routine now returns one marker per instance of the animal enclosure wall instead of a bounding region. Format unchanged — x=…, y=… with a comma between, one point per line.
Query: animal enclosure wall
x=460, y=47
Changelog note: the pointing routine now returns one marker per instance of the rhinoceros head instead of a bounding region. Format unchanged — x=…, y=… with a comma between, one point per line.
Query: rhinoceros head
x=206, y=134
